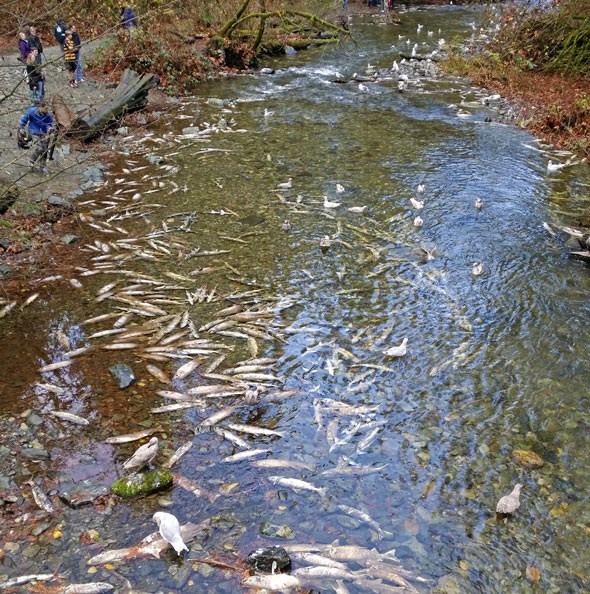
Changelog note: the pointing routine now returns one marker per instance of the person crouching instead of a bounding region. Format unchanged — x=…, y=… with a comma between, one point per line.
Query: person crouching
x=40, y=123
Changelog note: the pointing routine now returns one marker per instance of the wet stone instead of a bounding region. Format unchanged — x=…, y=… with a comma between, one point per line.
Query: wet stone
x=31, y=551
x=527, y=459
x=276, y=531
x=262, y=559
x=60, y=202
x=70, y=238
x=35, y=454
x=34, y=419
x=123, y=373
x=142, y=483
x=83, y=494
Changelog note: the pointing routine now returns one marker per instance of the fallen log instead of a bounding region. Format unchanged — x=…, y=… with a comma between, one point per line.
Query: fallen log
x=129, y=96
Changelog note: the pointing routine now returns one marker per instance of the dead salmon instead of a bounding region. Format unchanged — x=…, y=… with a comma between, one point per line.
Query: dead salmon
x=129, y=437
x=66, y=416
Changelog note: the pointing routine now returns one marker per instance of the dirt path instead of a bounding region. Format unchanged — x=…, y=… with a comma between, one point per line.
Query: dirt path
x=28, y=229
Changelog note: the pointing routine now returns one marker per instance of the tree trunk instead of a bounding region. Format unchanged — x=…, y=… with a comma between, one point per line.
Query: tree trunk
x=63, y=115
x=129, y=96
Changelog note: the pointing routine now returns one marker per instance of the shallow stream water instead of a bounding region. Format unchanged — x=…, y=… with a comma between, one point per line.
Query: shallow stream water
x=495, y=362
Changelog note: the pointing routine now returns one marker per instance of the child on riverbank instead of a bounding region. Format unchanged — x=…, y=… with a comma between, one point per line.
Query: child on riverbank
x=69, y=48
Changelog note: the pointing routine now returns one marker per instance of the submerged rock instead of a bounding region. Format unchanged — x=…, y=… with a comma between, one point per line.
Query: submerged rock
x=123, y=373
x=527, y=459
x=262, y=560
x=142, y=483
x=268, y=529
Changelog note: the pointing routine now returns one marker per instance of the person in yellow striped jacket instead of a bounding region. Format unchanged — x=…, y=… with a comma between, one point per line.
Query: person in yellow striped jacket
x=69, y=48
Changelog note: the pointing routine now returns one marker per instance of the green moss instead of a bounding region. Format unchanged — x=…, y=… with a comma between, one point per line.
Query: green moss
x=142, y=483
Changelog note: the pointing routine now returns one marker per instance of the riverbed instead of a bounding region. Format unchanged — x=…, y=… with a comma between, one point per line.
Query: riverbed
x=336, y=214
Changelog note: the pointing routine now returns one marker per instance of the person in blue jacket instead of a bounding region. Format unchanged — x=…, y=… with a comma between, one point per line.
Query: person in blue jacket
x=128, y=18
x=40, y=124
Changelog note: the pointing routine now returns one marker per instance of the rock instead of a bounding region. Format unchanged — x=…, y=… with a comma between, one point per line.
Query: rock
x=123, y=373
x=290, y=51
x=33, y=419
x=70, y=238
x=35, y=454
x=142, y=483
x=267, y=71
x=275, y=531
x=527, y=459
x=155, y=159
x=5, y=270
x=262, y=560
x=82, y=494
x=190, y=130
x=60, y=202
x=122, y=131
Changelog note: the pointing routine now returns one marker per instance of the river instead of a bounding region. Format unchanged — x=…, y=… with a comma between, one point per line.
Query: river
x=495, y=362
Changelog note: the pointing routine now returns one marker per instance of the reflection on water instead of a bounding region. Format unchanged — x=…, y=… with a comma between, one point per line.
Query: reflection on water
x=494, y=363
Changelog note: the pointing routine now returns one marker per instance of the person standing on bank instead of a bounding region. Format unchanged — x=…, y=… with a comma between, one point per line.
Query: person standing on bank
x=35, y=76
x=70, y=58
x=77, y=44
x=40, y=122
x=35, y=43
x=23, y=47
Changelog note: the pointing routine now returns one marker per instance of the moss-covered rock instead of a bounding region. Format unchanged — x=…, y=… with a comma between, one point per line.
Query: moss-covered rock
x=142, y=483
x=527, y=459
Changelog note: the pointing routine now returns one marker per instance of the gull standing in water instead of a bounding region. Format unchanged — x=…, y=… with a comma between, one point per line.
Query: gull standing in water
x=170, y=530
x=508, y=504
x=339, y=189
x=478, y=203
x=286, y=185
x=417, y=204
x=398, y=351
x=476, y=268
x=418, y=221
x=329, y=204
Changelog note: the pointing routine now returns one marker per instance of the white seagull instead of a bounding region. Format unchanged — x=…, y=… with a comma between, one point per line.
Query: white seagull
x=553, y=167
x=329, y=204
x=511, y=502
x=395, y=66
x=143, y=455
x=418, y=222
x=170, y=530
x=401, y=86
x=363, y=88
x=476, y=268
x=339, y=189
x=417, y=204
x=420, y=189
x=359, y=209
x=286, y=185
x=478, y=203
x=398, y=351
x=268, y=113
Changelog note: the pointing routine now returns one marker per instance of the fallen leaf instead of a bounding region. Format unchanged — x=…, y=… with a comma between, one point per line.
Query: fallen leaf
x=533, y=574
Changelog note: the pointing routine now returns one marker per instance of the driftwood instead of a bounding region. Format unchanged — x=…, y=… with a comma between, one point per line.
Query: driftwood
x=129, y=96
